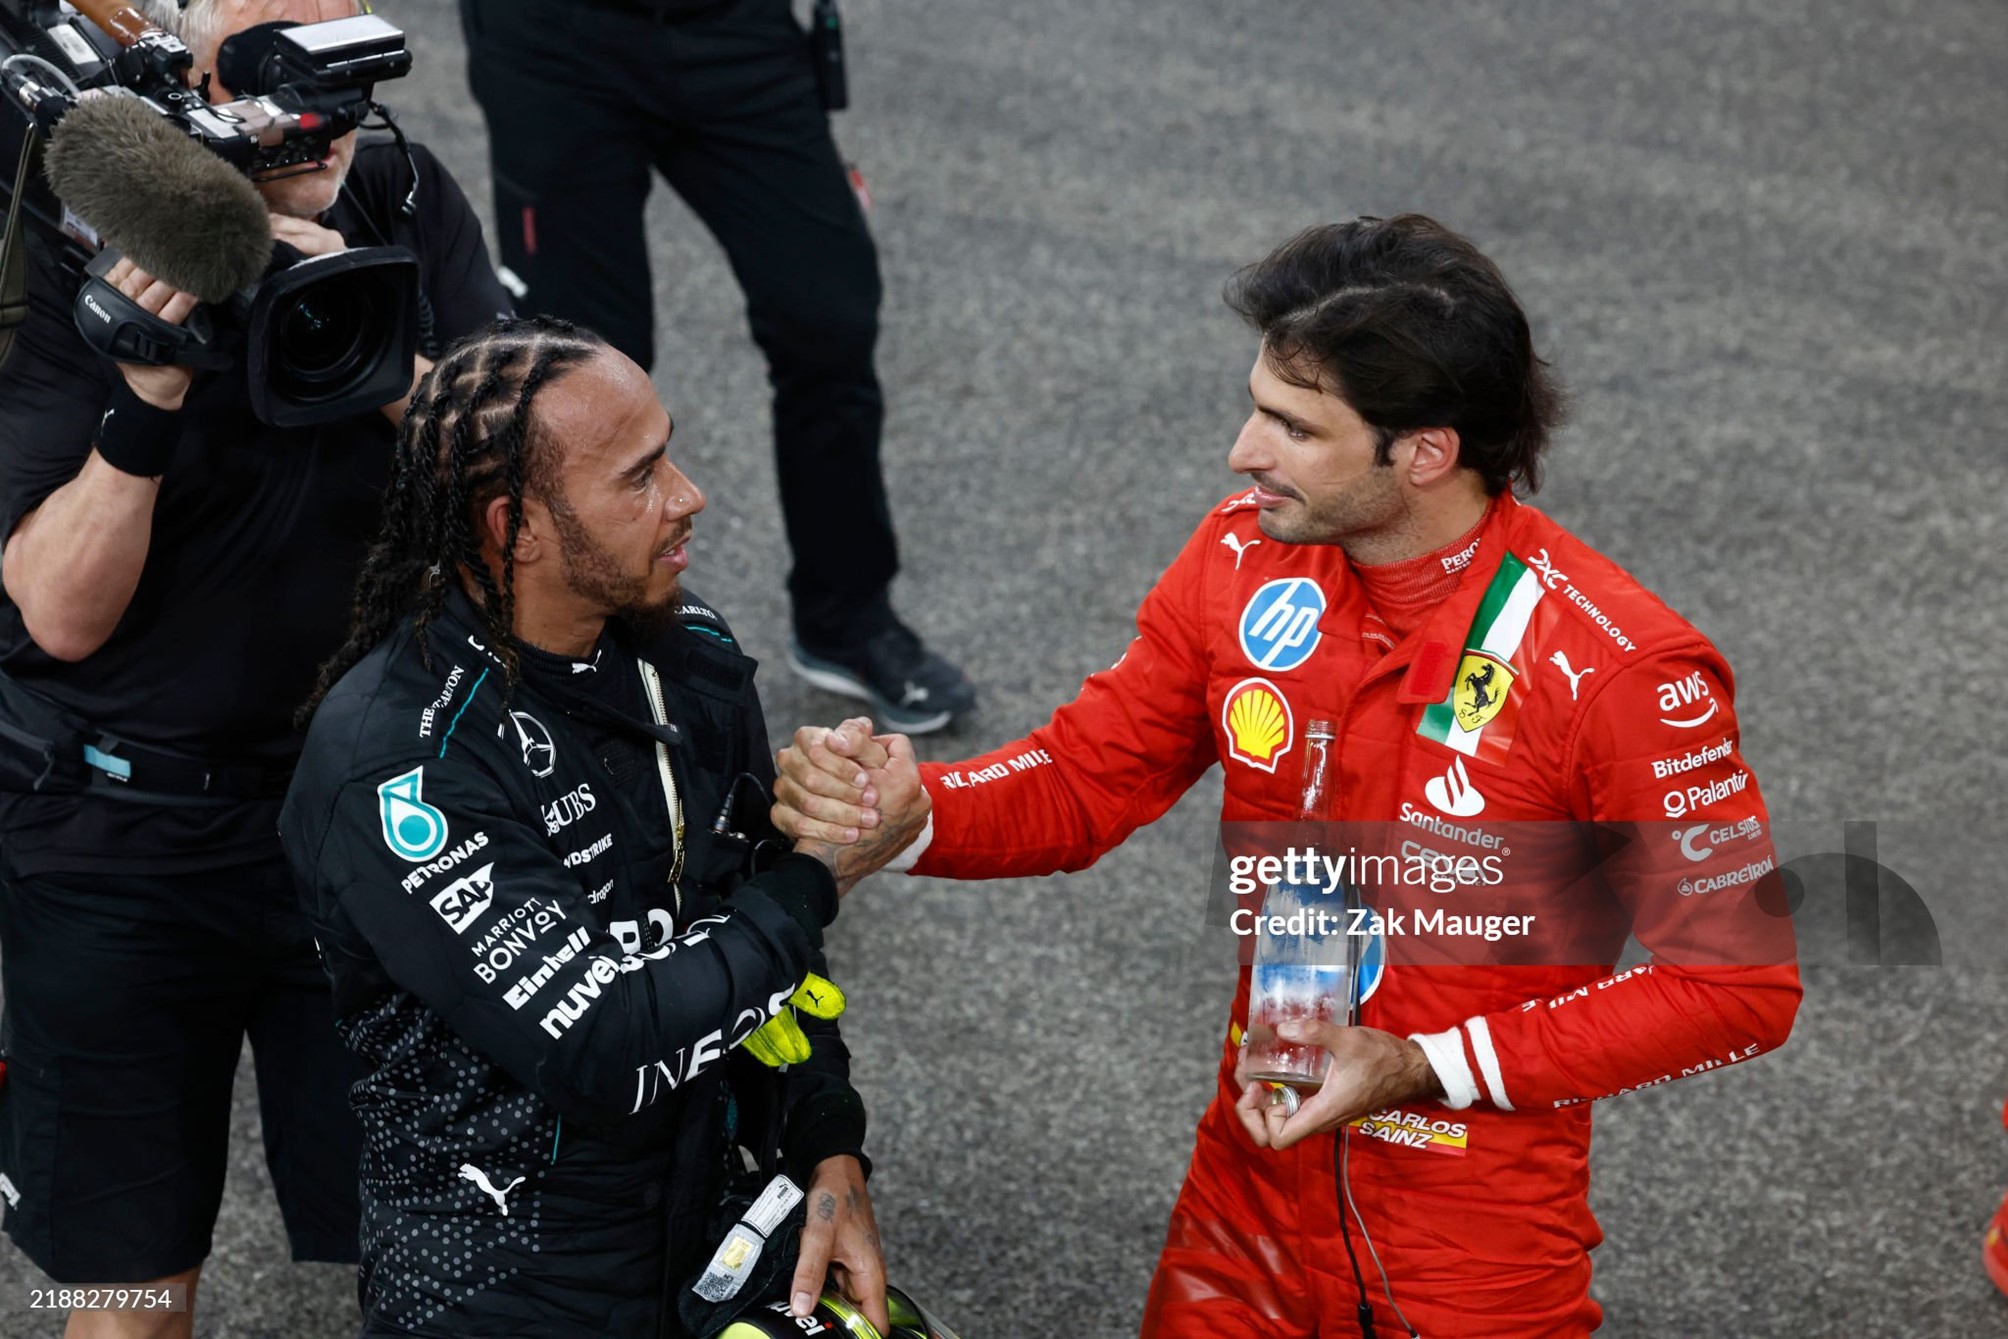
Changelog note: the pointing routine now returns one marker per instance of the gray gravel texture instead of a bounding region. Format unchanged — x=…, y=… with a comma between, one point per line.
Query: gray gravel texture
x=1765, y=244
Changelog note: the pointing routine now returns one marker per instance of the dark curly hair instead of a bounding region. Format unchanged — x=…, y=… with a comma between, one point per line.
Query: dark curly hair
x=468, y=437
x=1413, y=327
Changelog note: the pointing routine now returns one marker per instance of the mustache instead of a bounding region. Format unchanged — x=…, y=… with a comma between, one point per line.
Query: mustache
x=1268, y=485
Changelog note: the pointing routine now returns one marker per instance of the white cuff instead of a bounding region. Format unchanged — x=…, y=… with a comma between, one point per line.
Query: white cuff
x=1488, y=1060
x=910, y=857
x=1446, y=1056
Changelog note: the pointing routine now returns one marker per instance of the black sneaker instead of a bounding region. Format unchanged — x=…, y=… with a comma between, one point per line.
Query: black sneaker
x=911, y=689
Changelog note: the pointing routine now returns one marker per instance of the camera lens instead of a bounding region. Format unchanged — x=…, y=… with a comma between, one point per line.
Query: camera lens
x=324, y=338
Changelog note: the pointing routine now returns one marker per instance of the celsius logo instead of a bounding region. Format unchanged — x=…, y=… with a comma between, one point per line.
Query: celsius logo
x=1279, y=628
x=539, y=754
x=1453, y=793
x=1699, y=842
x=1681, y=694
x=411, y=827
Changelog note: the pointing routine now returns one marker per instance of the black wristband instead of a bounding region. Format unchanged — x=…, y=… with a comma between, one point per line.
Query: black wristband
x=135, y=437
x=802, y=886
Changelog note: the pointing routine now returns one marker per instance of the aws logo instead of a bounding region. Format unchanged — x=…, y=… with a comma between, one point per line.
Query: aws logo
x=1681, y=702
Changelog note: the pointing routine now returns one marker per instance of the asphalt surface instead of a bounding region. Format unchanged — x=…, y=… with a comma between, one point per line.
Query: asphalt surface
x=1765, y=245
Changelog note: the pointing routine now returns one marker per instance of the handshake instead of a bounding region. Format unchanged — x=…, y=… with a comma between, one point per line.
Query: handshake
x=850, y=798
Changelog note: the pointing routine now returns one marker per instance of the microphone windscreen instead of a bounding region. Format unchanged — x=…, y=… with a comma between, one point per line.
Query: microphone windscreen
x=177, y=210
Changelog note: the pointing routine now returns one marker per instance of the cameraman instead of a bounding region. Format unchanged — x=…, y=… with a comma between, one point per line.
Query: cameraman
x=174, y=570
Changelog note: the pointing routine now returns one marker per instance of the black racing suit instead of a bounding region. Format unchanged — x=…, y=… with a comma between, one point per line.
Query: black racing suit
x=552, y=1022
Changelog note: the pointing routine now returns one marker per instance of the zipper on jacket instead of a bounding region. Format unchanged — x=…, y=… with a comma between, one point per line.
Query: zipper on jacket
x=651, y=683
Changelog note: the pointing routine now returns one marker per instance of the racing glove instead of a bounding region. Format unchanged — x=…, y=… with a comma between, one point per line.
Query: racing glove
x=780, y=1040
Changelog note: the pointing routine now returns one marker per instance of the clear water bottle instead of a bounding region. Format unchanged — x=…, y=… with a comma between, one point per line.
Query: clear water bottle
x=1300, y=949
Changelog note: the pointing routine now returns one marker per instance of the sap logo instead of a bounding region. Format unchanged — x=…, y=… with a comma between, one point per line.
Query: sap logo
x=1453, y=794
x=1279, y=626
x=1680, y=694
x=412, y=828
x=461, y=902
x=591, y=853
x=568, y=809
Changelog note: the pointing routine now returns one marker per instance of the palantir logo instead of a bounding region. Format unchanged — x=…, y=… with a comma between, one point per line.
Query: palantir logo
x=1453, y=793
x=1279, y=628
x=412, y=828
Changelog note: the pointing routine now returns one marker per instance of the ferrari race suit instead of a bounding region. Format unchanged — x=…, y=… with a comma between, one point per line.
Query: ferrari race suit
x=549, y=1000
x=1547, y=691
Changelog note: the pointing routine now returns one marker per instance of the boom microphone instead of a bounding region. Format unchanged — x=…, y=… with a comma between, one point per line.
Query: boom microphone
x=149, y=190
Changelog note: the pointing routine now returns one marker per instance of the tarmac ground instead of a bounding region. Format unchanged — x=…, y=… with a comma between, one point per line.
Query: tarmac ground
x=1764, y=243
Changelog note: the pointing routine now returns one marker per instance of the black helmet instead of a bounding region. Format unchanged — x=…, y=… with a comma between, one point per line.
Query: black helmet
x=837, y=1318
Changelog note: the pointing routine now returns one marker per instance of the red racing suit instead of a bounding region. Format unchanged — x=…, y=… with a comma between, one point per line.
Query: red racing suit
x=1593, y=702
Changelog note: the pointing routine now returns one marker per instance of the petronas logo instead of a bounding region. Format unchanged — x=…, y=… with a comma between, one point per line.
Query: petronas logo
x=411, y=827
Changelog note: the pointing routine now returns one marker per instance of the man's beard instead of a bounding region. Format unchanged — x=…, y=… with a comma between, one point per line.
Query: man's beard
x=591, y=573
x=1371, y=504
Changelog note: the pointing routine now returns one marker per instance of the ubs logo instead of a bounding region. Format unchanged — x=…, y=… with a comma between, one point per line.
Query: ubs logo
x=568, y=809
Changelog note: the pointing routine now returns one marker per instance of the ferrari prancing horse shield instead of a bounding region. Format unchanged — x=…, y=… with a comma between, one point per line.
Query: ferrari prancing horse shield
x=1482, y=684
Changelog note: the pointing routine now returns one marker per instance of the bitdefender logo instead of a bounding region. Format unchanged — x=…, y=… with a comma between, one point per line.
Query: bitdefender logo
x=1662, y=768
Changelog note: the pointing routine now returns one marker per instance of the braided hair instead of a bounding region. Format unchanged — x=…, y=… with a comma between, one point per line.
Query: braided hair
x=468, y=437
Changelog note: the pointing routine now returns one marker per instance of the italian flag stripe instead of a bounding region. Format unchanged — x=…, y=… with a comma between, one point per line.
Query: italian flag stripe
x=1497, y=630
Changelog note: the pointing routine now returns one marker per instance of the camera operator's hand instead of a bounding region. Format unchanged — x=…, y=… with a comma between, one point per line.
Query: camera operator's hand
x=161, y=387
x=306, y=236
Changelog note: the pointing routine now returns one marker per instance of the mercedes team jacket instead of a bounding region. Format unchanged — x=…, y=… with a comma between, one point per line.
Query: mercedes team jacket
x=551, y=1023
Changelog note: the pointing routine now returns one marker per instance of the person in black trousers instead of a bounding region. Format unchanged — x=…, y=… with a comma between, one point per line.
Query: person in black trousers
x=583, y=99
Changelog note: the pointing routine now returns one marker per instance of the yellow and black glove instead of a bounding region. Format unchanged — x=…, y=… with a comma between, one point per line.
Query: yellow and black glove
x=780, y=1040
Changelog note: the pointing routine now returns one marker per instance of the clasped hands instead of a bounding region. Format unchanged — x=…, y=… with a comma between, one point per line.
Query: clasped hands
x=850, y=798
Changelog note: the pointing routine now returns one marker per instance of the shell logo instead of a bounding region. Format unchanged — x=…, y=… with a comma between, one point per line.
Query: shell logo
x=1257, y=721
